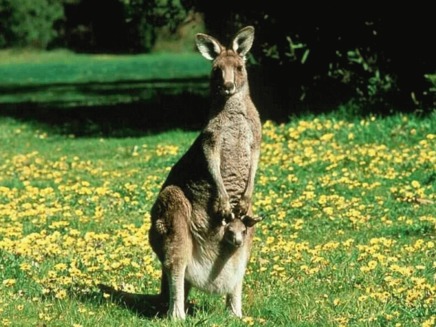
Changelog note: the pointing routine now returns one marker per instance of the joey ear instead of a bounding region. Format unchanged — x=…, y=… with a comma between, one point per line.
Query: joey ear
x=208, y=46
x=250, y=221
x=243, y=41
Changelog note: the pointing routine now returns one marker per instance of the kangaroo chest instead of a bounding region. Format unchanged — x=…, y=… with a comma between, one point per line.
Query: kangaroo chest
x=236, y=156
x=236, y=143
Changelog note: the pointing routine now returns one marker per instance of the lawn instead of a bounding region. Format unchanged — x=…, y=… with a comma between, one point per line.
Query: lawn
x=63, y=78
x=348, y=237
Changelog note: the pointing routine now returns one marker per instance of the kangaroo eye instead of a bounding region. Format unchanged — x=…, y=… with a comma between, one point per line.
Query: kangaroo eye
x=239, y=68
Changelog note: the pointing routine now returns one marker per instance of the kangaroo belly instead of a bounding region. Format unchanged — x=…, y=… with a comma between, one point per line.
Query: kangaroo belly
x=235, y=176
x=236, y=159
x=216, y=275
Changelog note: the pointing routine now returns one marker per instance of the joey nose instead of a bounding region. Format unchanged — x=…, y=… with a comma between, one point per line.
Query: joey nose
x=237, y=242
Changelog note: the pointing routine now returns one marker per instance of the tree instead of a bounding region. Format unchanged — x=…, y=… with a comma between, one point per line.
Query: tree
x=378, y=57
x=29, y=23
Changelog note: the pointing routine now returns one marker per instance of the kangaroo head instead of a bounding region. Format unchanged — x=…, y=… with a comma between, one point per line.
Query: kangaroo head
x=229, y=75
x=236, y=230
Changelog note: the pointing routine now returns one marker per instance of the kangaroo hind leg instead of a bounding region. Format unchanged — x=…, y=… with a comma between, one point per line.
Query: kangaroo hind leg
x=171, y=240
x=234, y=300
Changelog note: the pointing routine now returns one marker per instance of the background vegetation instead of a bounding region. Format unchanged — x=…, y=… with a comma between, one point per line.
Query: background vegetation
x=309, y=57
x=94, y=110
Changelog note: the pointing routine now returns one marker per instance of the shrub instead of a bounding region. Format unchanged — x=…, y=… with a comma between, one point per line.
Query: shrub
x=29, y=23
x=148, y=18
x=122, y=26
x=375, y=56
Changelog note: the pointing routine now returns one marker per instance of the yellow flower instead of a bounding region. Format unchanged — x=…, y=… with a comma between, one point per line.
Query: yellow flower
x=362, y=298
x=25, y=266
x=372, y=264
x=61, y=294
x=248, y=320
x=429, y=322
x=61, y=266
x=328, y=211
x=327, y=137
x=9, y=282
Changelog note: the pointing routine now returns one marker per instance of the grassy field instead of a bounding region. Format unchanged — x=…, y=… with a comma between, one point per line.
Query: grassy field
x=348, y=239
x=63, y=78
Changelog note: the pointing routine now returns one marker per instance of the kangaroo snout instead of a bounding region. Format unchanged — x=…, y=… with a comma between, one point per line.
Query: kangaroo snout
x=235, y=232
x=229, y=88
x=237, y=241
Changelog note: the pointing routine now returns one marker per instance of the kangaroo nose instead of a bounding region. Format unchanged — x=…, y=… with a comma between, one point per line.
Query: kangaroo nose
x=229, y=87
x=237, y=242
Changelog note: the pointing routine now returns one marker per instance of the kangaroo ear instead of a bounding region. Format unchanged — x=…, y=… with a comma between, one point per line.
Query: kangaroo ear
x=250, y=221
x=208, y=46
x=243, y=41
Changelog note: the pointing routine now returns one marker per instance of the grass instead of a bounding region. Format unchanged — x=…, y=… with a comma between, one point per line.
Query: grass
x=62, y=77
x=348, y=239
x=40, y=68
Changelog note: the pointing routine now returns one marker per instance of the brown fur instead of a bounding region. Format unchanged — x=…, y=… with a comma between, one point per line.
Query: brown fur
x=214, y=180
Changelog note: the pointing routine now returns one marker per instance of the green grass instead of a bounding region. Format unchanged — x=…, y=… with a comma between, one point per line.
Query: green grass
x=348, y=239
x=62, y=77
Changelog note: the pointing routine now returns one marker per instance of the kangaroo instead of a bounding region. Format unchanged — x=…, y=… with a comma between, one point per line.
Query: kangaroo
x=235, y=231
x=212, y=181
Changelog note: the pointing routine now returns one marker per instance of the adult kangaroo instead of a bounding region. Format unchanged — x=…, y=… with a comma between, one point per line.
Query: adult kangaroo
x=213, y=181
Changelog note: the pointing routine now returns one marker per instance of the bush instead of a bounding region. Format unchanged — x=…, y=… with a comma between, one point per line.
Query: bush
x=377, y=57
x=119, y=26
x=148, y=18
x=29, y=23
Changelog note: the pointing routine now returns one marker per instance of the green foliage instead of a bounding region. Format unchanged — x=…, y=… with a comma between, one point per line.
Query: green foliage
x=131, y=26
x=147, y=16
x=329, y=52
x=432, y=89
x=29, y=23
x=364, y=74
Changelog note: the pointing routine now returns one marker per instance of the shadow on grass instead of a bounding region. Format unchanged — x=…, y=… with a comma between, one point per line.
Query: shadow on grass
x=162, y=112
x=408, y=231
x=144, y=305
x=134, y=108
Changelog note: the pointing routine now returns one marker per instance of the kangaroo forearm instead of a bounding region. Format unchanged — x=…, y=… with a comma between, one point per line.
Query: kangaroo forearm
x=253, y=168
x=214, y=169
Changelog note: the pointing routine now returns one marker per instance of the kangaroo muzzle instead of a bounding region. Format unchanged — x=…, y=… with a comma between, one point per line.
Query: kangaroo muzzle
x=229, y=86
